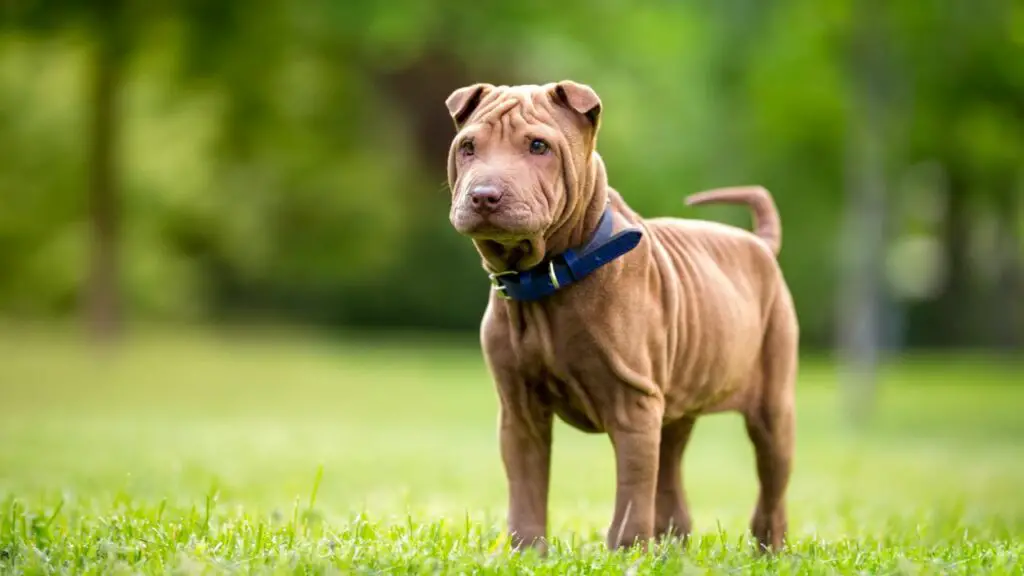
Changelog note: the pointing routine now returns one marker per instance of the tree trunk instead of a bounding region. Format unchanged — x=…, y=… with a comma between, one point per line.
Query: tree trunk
x=1007, y=310
x=953, y=306
x=947, y=320
x=863, y=235
x=103, y=298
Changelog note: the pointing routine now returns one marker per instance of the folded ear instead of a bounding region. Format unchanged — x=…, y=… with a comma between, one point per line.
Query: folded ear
x=580, y=98
x=464, y=101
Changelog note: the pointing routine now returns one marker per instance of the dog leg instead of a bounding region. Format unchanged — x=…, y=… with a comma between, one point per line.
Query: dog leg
x=525, y=432
x=671, y=513
x=770, y=425
x=636, y=471
x=772, y=435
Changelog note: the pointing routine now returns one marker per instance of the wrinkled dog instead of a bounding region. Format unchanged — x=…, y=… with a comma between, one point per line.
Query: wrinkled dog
x=615, y=323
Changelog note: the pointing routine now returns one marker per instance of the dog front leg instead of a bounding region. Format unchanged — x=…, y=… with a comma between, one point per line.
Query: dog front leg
x=636, y=470
x=672, y=514
x=526, y=454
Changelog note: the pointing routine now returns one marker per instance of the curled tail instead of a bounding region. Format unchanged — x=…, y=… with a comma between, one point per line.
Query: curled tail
x=767, y=225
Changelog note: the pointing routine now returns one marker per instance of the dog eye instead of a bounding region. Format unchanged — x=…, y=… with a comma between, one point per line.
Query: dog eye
x=538, y=146
x=467, y=148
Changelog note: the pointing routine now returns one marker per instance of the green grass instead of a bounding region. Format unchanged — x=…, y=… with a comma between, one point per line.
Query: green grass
x=278, y=453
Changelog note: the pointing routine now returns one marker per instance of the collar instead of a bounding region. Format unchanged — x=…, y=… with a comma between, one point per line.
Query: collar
x=571, y=266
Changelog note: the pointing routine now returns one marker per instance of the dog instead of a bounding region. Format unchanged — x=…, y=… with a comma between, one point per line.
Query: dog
x=615, y=323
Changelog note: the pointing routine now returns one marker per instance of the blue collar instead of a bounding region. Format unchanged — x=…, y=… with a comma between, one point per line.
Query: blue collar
x=571, y=266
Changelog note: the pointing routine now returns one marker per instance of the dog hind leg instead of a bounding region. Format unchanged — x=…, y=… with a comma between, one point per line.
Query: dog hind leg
x=770, y=422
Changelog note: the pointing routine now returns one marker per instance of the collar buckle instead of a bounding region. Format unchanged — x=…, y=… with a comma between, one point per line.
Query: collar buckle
x=552, y=276
x=498, y=287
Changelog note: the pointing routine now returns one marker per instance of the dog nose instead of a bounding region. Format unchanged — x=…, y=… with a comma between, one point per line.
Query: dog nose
x=485, y=197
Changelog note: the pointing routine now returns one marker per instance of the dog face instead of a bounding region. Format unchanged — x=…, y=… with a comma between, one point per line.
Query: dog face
x=517, y=166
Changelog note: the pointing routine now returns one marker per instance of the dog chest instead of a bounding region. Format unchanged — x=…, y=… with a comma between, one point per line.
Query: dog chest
x=560, y=378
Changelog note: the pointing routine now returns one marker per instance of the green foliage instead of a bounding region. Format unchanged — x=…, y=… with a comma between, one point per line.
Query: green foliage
x=291, y=158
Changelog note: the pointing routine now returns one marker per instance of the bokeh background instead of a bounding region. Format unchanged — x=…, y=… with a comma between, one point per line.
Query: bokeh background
x=217, y=161
x=225, y=251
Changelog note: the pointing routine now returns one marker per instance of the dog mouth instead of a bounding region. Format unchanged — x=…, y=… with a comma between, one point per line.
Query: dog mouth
x=503, y=227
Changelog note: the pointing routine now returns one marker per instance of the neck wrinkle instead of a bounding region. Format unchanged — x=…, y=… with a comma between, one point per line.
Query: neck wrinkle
x=592, y=195
x=497, y=258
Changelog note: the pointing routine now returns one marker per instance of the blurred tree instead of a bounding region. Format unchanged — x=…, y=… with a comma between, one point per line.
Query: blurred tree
x=103, y=298
x=114, y=30
x=963, y=59
x=863, y=241
x=105, y=20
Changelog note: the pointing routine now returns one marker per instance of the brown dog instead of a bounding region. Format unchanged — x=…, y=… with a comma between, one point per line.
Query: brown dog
x=617, y=324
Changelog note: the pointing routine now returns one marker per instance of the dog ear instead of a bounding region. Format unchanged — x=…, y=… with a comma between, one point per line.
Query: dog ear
x=581, y=98
x=464, y=101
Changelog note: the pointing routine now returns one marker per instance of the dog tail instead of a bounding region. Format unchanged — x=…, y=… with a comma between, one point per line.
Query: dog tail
x=767, y=224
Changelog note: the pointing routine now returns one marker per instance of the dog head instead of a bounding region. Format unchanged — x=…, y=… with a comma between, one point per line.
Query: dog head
x=521, y=166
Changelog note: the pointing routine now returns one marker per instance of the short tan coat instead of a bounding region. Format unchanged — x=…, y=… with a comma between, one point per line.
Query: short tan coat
x=697, y=319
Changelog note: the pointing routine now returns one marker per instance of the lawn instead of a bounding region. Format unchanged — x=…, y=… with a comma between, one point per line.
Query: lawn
x=276, y=452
